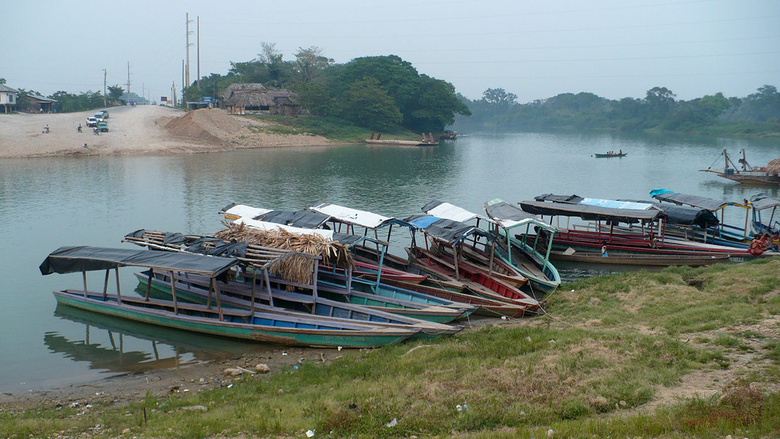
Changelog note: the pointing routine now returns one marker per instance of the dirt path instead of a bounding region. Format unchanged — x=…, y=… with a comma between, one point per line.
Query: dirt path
x=138, y=130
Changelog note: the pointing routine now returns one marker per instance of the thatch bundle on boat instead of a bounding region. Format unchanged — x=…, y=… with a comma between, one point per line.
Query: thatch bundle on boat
x=294, y=268
x=773, y=167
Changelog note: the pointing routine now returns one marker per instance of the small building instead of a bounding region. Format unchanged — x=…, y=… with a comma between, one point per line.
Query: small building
x=44, y=105
x=256, y=98
x=8, y=98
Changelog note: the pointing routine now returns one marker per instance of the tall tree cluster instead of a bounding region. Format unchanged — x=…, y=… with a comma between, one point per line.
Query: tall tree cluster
x=658, y=110
x=377, y=92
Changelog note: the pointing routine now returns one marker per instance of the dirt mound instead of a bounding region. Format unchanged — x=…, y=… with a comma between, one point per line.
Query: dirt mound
x=211, y=126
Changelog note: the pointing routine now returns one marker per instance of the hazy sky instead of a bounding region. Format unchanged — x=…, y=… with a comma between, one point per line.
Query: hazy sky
x=535, y=49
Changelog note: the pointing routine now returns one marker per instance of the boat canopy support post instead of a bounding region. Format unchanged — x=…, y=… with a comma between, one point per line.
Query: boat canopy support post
x=149, y=284
x=213, y=286
x=84, y=277
x=118, y=289
x=105, y=284
x=173, y=292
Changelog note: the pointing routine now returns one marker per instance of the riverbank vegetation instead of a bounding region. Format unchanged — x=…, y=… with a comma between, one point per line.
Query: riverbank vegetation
x=755, y=115
x=678, y=353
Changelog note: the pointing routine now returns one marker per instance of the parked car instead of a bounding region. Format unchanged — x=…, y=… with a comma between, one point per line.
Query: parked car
x=103, y=127
x=99, y=117
x=92, y=122
x=105, y=113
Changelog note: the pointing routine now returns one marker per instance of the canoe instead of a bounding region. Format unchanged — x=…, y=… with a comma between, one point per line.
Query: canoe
x=645, y=259
x=477, y=281
x=261, y=326
x=234, y=323
x=607, y=155
x=238, y=294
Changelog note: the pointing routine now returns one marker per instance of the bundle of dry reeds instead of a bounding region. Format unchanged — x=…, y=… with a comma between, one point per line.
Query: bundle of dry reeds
x=294, y=268
x=773, y=167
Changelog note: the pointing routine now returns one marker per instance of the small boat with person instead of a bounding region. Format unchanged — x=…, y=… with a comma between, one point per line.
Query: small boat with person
x=609, y=154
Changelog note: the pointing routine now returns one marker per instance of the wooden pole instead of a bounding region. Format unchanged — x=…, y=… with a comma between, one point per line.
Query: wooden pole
x=118, y=289
x=149, y=284
x=216, y=295
x=173, y=294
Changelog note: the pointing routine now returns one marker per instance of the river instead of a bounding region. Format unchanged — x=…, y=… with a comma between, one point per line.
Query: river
x=46, y=203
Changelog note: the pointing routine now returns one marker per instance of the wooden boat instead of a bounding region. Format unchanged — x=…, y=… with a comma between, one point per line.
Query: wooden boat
x=239, y=294
x=624, y=226
x=257, y=259
x=766, y=214
x=207, y=319
x=439, y=233
x=659, y=260
x=702, y=225
x=478, y=249
x=427, y=140
x=520, y=249
x=744, y=173
x=609, y=154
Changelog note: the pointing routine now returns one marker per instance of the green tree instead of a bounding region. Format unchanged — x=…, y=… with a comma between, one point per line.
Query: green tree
x=368, y=105
x=315, y=98
x=434, y=107
x=499, y=97
x=115, y=92
x=309, y=63
x=2, y=81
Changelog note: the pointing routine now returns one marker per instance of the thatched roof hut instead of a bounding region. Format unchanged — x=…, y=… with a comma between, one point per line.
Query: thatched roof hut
x=242, y=98
x=773, y=167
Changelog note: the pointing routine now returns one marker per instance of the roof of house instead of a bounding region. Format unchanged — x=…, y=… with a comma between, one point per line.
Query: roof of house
x=42, y=99
x=8, y=89
x=260, y=97
x=247, y=86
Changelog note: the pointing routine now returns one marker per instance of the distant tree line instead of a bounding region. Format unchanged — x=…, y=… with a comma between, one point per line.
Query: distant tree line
x=378, y=92
x=758, y=113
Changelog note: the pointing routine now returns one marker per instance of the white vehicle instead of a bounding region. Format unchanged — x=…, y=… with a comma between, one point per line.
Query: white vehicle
x=92, y=122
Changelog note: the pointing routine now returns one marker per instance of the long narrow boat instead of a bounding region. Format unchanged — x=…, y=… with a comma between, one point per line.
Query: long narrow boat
x=766, y=213
x=620, y=226
x=763, y=175
x=649, y=260
x=478, y=249
x=208, y=319
x=238, y=294
x=609, y=154
x=258, y=259
x=440, y=232
x=513, y=227
x=712, y=229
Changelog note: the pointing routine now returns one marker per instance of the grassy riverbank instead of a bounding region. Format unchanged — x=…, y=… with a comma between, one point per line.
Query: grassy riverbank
x=679, y=353
x=336, y=130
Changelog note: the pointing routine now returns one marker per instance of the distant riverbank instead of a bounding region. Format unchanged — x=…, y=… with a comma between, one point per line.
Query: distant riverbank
x=139, y=130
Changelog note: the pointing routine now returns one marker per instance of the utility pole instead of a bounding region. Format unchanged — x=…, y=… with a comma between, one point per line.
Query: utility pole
x=105, y=76
x=173, y=92
x=198, y=52
x=183, y=86
x=187, y=66
x=128, y=83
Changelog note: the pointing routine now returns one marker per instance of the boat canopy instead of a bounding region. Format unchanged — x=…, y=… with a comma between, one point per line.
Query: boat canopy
x=686, y=215
x=85, y=258
x=590, y=212
x=444, y=229
x=692, y=200
x=449, y=211
x=235, y=211
x=617, y=204
x=573, y=199
x=296, y=218
x=763, y=201
x=356, y=217
x=510, y=216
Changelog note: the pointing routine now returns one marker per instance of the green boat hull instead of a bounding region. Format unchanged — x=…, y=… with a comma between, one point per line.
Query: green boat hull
x=297, y=335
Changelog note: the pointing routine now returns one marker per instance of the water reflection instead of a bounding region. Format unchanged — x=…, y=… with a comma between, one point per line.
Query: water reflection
x=117, y=346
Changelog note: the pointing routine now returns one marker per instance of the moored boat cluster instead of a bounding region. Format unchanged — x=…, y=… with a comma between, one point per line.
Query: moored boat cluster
x=323, y=276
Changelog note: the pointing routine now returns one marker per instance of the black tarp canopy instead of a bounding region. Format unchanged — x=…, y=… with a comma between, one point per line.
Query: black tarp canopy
x=589, y=212
x=85, y=258
x=443, y=229
x=693, y=200
x=305, y=219
x=572, y=199
x=685, y=215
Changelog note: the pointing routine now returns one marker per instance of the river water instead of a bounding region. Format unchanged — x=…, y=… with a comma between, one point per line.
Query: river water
x=46, y=203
